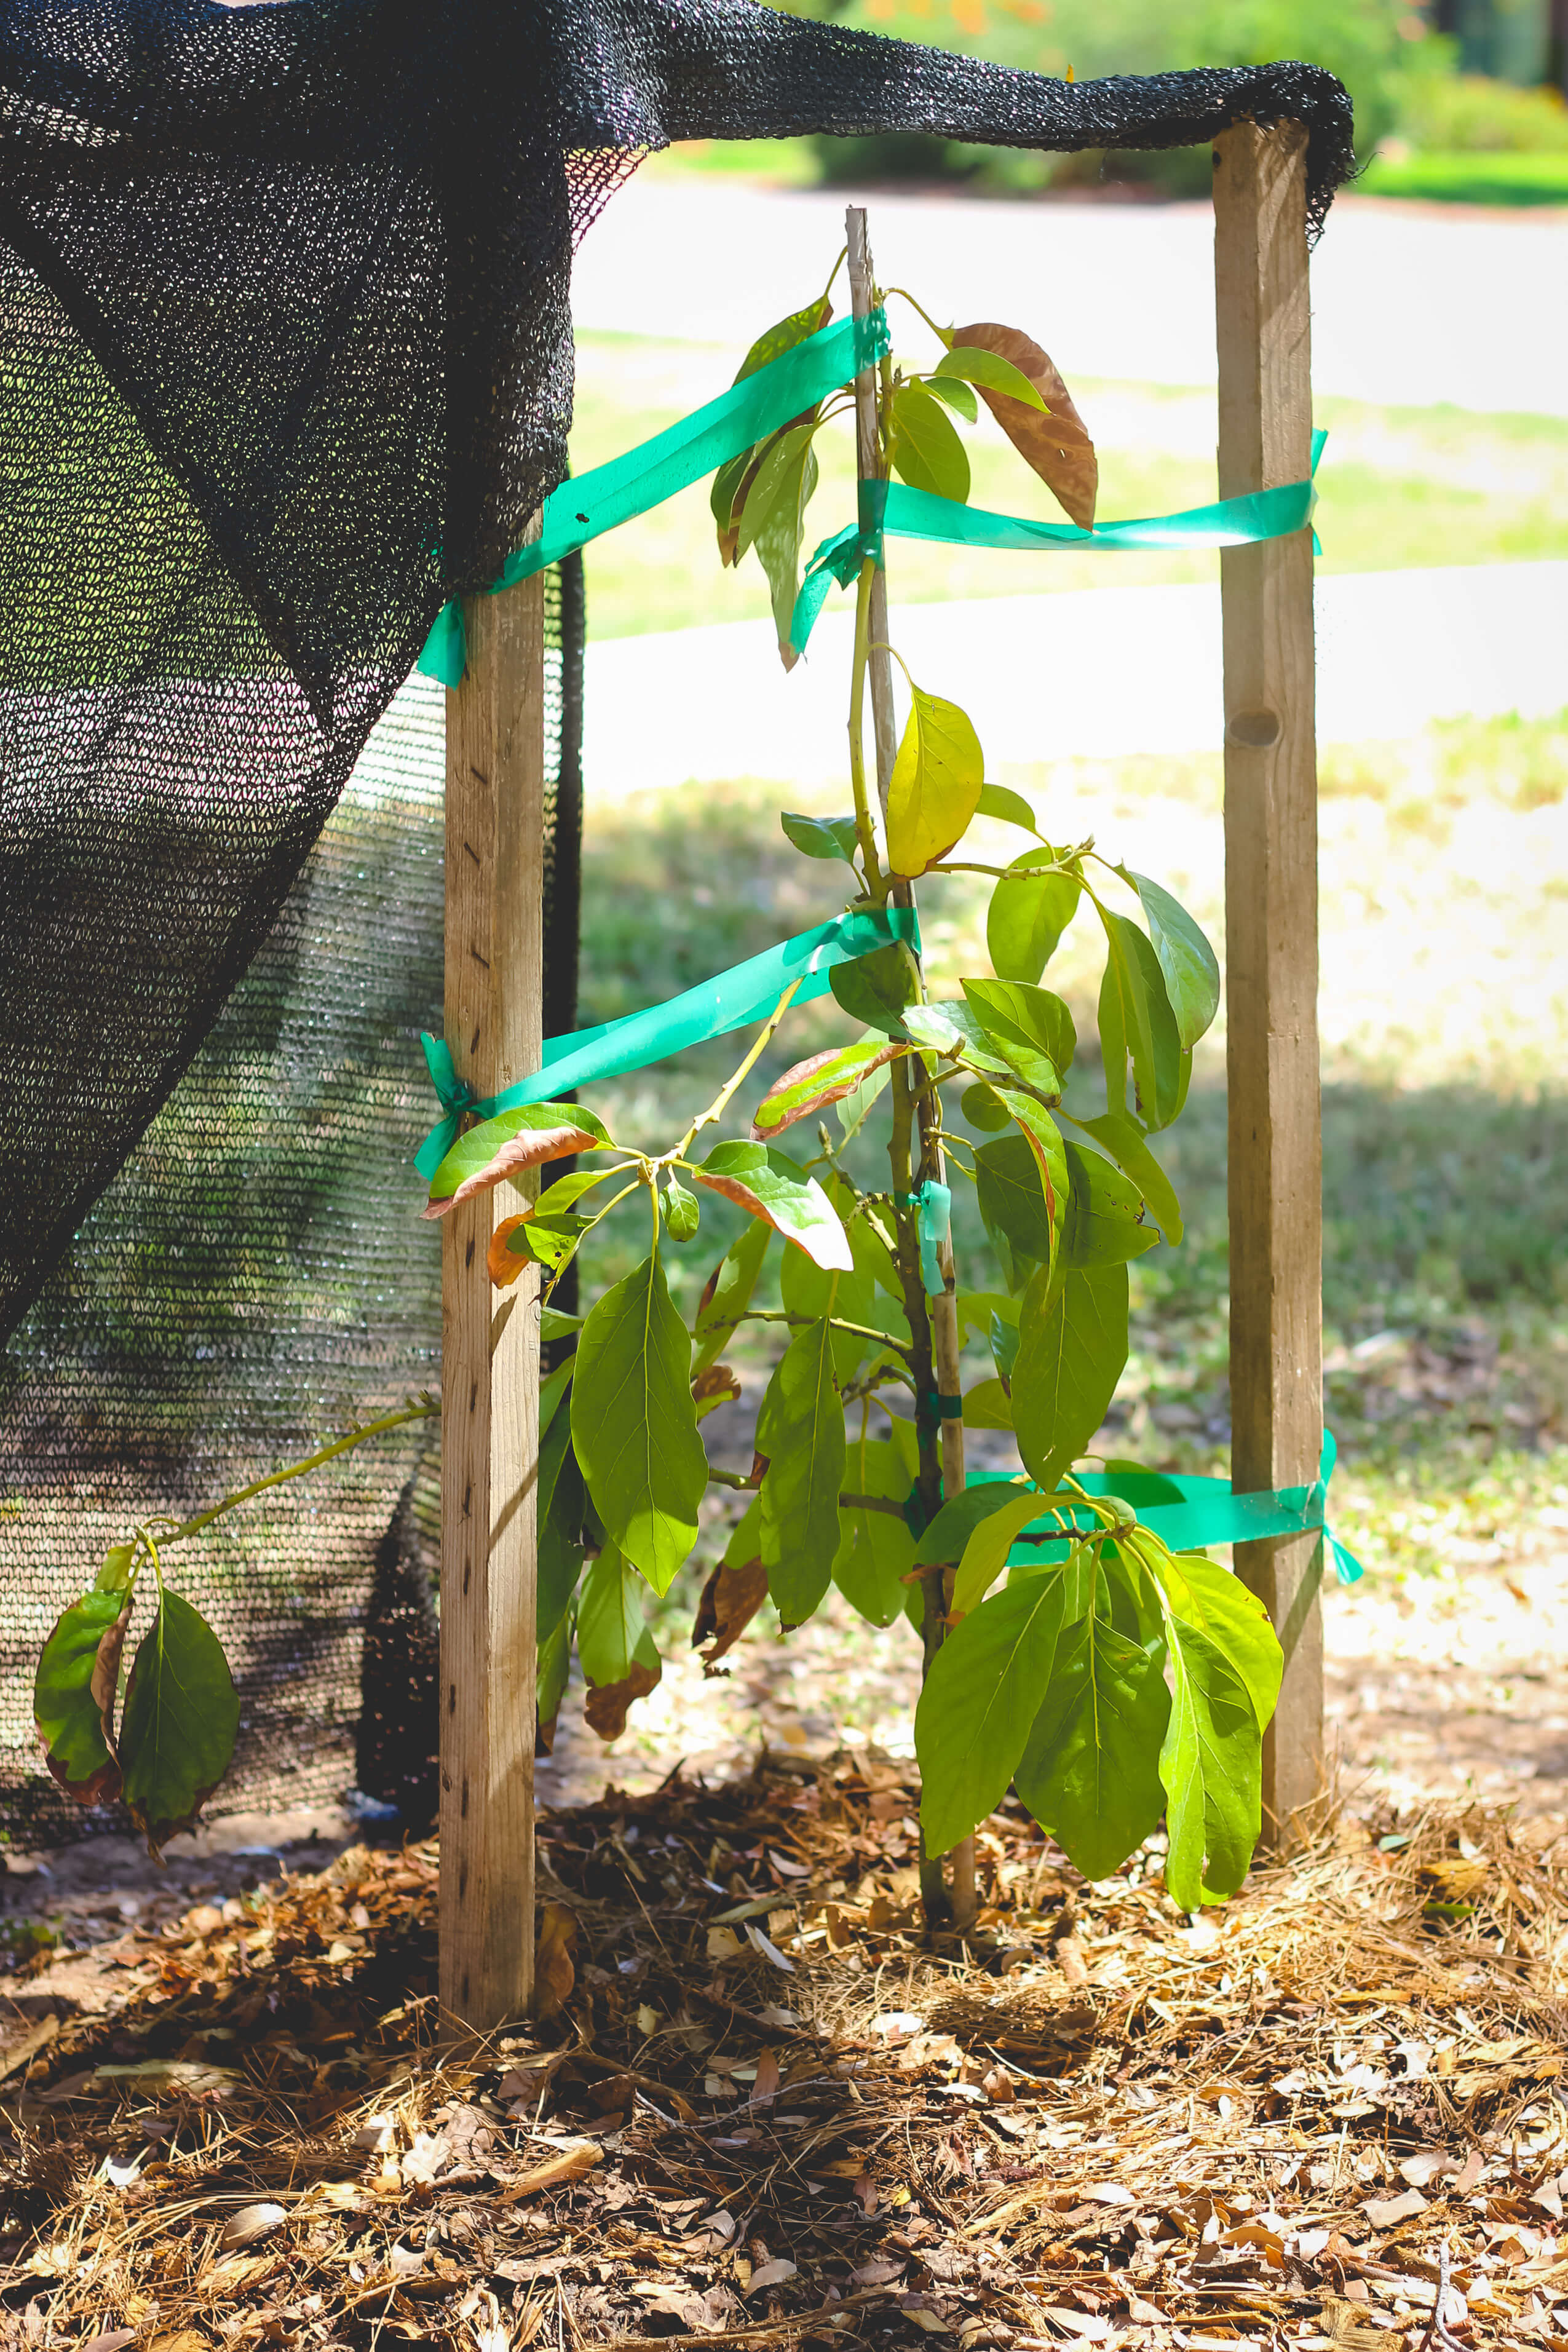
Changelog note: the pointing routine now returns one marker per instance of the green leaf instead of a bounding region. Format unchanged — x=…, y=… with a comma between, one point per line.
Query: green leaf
x=610, y=1621
x=956, y=396
x=983, y=1107
x=935, y=789
x=181, y=1716
x=769, y=1184
x=972, y=365
x=682, y=1211
x=745, y=1543
x=722, y=500
x=554, y=1667
x=875, y=988
x=71, y=1716
x=981, y=1697
x=783, y=336
x=511, y=1142
x=546, y=1237
x=944, y=1540
x=634, y=1424
x=987, y=1405
x=728, y=1293
x=823, y=1078
x=992, y=1538
x=1136, y=1021
x=1202, y=1593
x=1089, y=1773
x=801, y=1431
x=1028, y=915
x=1190, y=966
x=554, y=1325
x=875, y=1551
x=806, y=1290
x=1014, y=1012
x=1101, y=1224
x=1044, y=1139
x=1128, y=1146
x=857, y=1108
x=114, y=1576
x=1013, y=1200
x=1072, y=1348
x=779, y=536
x=1003, y=1338
x=927, y=450
x=1211, y=1766
x=560, y=1523
x=1011, y=808
x=949, y=1028
x=821, y=837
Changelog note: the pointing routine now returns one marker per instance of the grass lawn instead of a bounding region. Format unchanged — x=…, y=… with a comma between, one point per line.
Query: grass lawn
x=1445, y=1007
x=1465, y=179
x=1398, y=487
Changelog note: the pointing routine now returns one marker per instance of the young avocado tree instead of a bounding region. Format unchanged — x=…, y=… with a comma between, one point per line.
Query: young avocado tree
x=1066, y=1652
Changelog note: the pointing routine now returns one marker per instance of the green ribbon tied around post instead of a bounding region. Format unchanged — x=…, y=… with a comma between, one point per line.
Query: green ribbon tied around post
x=582, y=507
x=1190, y=1514
x=746, y=992
x=894, y=510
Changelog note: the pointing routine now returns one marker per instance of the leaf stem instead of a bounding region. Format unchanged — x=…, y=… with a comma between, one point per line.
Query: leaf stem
x=720, y=1102
x=740, y=1485
x=426, y=1409
x=942, y=334
x=775, y=1315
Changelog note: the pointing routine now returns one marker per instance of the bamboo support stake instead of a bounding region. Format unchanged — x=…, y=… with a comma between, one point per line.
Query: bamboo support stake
x=1271, y=920
x=943, y=1307
x=489, y=1356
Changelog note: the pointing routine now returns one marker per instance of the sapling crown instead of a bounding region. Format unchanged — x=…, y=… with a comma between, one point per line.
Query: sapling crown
x=1066, y=1652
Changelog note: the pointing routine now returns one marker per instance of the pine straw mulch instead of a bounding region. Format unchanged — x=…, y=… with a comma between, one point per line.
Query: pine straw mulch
x=1096, y=2121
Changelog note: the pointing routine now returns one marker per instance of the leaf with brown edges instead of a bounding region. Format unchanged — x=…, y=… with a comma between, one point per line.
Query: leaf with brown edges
x=1056, y=443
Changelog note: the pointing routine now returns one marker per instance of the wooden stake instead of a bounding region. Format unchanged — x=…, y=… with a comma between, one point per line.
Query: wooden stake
x=944, y=1307
x=1271, y=920
x=490, y=1339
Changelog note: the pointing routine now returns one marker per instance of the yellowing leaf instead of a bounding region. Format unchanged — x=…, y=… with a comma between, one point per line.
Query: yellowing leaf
x=934, y=790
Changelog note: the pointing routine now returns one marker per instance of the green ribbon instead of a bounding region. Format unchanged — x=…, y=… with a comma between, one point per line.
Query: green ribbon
x=893, y=509
x=933, y=1205
x=1190, y=1514
x=584, y=506
x=746, y=992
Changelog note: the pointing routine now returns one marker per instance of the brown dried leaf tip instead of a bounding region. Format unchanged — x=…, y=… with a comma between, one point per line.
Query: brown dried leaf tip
x=1056, y=446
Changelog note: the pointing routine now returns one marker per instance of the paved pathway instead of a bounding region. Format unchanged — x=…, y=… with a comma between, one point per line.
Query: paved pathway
x=1412, y=304
x=1099, y=672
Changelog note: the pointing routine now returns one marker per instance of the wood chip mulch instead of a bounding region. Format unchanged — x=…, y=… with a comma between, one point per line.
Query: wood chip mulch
x=767, y=2109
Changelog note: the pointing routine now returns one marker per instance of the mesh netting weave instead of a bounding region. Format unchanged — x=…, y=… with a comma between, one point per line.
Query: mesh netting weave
x=285, y=360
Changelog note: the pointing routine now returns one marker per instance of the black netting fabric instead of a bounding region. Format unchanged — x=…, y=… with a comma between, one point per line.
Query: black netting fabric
x=285, y=360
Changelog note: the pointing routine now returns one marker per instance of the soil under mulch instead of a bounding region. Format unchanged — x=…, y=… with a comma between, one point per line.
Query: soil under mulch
x=766, y=2108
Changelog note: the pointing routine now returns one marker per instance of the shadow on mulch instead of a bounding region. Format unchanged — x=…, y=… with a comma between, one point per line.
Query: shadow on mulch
x=764, y=2107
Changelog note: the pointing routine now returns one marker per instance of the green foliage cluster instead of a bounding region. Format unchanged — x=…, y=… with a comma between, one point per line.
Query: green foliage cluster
x=1068, y=1651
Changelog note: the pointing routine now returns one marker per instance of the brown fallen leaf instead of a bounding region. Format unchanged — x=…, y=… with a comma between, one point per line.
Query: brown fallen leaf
x=730, y=1599
x=766, y=2085
x=1055, y=445
x=569, y=2165
x=26, y=2044
x=553, y=1973
x=1383, y=2212
x=249, y=2222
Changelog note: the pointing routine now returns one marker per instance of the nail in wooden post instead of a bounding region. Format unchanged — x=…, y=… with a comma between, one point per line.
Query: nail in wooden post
x=490, y=1339
x=1271, y=919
